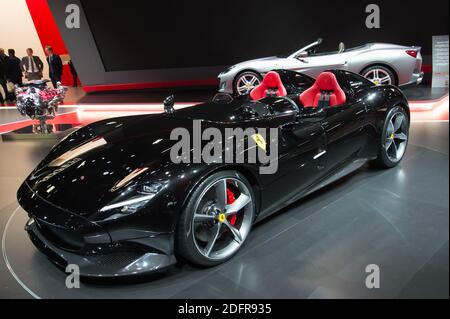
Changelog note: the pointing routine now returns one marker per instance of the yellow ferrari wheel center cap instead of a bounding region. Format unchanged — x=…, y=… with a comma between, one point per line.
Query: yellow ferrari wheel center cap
x=222, y=218
x=392, y=136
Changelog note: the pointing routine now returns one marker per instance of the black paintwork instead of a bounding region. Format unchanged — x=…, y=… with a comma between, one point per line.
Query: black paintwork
x=66, y=201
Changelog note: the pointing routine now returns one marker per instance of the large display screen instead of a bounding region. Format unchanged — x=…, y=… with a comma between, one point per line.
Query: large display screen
x=142, y=34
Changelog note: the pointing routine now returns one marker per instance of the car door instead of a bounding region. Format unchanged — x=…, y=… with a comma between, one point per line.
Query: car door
x=301, y=161
x=344, y=126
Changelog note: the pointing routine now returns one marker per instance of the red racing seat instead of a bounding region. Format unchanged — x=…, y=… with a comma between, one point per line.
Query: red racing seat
x=324, y=92
x=271, y=85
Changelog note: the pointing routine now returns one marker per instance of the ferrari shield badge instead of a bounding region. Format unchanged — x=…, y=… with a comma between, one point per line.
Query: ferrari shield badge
x=260, y=141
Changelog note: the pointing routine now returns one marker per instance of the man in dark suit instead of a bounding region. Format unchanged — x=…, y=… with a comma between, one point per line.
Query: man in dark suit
x=55, y=66
x=32, y=66
x=13, y=71
x=3, y=76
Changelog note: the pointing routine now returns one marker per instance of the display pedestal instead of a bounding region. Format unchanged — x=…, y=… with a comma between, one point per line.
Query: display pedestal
x=57, y=132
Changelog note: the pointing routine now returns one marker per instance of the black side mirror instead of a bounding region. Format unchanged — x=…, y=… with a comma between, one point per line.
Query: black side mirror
x=311, y=115
x=169, y=102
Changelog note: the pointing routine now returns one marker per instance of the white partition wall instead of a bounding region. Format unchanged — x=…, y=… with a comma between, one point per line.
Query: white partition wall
x=17, y=30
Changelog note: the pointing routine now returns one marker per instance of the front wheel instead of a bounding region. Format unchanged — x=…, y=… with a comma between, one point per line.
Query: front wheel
x=245, y=82
x=216, y=220
x=394, y=139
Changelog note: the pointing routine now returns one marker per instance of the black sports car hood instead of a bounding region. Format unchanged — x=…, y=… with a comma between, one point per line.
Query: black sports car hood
x=89, y=168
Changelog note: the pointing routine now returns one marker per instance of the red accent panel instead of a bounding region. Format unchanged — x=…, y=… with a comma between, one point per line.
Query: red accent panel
x=148, y=85
x=45, y=25
x=272, y=80
x=326, y=81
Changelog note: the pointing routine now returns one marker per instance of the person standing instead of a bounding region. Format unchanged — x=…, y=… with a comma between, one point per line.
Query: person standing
x=13, y=71
x=3, y=65
x=74, y=74
x=32, y=66
x=55, y=66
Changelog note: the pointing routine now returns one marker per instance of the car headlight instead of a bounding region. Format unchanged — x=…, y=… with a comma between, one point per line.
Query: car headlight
x=228, y=70
x=142, y=195
x=129, y=205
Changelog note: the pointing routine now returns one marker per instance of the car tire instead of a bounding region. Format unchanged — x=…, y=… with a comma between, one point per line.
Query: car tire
x=187, y=244
x=250, y=76
x=377, y=73
x=394, y=139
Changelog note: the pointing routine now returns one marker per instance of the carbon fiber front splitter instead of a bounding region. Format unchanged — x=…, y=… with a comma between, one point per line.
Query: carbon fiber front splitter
x=108, y=265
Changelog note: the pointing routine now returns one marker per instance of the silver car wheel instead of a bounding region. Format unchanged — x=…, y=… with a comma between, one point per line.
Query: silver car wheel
x=246, y=82
x=396, y=138
x=219, y=229
x=378, y=76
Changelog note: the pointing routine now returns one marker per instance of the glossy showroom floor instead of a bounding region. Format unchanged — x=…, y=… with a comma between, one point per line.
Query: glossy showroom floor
x=317, y=248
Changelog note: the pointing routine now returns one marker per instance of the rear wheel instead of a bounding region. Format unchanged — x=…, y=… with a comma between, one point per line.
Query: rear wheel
x=379, y=75
x=216, y=220
x=246, y=81
x=394, y=139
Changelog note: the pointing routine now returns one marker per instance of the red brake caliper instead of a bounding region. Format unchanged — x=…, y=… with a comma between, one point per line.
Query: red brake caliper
x=230, y=200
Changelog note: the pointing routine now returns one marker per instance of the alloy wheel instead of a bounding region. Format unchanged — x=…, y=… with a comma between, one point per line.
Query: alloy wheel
x=378, y=76
x=222, y=218
x=247, y=82
x=396, y=138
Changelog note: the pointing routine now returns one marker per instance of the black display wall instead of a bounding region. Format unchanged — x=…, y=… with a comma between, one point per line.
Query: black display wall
x=148, y=44
x=142, y=34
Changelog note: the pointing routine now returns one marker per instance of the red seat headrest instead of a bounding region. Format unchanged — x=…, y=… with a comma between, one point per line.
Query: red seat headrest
x=272, y=81
x=326, y=81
